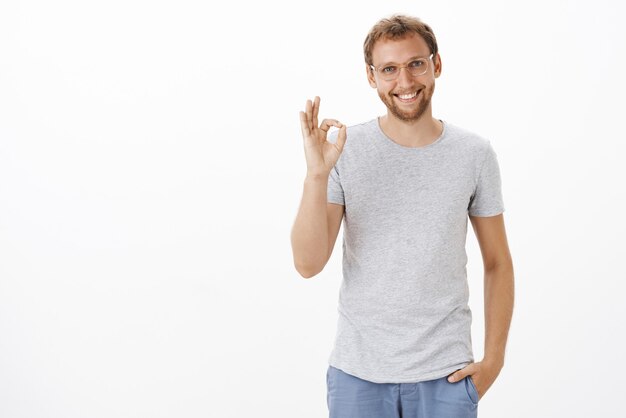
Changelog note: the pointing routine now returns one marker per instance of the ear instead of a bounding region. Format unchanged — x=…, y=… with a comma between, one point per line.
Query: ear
x=370, y=76
x=437, y=61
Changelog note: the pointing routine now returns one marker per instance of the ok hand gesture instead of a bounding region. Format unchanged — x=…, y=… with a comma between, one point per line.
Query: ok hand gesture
x=321, y=155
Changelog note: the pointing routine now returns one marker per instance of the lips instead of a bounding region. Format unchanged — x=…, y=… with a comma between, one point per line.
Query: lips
x=408, y=97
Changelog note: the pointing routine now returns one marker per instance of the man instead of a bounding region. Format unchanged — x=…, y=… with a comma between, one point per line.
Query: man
x=404, y=185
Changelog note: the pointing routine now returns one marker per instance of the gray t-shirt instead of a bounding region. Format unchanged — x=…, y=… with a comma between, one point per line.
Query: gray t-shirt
x=403, y=302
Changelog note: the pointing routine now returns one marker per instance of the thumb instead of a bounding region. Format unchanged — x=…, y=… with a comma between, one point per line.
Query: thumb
x=456, y=376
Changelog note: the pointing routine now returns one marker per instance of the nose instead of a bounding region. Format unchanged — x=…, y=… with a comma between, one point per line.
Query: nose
x=404, y=77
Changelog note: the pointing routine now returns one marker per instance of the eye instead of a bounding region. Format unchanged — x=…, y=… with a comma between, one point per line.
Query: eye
x=416, y=64
x=390, y=69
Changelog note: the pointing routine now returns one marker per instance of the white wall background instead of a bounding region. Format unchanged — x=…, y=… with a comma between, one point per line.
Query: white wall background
x=151, y=167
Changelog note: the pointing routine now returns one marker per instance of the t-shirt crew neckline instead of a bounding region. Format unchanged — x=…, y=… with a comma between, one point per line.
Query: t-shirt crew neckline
x=394, y=144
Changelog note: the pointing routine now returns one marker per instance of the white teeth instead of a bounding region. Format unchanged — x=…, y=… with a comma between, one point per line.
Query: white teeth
x=407, y=96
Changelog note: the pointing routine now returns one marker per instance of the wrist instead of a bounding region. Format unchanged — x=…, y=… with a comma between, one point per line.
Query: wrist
x=312, y=176
x=494, y=361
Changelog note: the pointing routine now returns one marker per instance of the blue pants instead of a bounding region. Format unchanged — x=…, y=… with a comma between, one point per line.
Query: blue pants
x=352, y=397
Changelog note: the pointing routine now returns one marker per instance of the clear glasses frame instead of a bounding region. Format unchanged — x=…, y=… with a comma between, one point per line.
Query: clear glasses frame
x=393, y=71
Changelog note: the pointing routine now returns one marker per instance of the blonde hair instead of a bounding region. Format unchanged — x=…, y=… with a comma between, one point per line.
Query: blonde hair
x=397, y=27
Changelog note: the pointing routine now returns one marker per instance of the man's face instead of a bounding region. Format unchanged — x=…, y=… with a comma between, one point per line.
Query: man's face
x=407, y=97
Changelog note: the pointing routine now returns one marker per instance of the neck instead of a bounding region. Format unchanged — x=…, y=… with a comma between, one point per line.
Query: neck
x=415, y=134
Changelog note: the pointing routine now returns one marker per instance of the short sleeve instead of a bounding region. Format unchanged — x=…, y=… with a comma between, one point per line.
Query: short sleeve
x=334, y=191
x=487, y=197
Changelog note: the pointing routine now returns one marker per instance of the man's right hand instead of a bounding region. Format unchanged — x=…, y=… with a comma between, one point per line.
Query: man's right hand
x=321, y=155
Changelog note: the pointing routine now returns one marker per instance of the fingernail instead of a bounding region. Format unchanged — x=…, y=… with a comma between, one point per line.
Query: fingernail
x=450, y=379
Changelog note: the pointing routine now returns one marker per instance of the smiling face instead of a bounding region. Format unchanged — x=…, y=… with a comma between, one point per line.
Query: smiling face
x=408, y=98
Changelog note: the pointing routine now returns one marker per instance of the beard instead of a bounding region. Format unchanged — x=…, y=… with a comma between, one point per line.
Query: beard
x=408, y=115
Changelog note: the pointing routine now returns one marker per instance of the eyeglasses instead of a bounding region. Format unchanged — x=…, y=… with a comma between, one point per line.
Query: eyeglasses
x=415, y=67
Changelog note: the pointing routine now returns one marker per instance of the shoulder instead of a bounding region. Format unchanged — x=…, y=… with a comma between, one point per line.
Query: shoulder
x=366, y=127
x=355, y=132
x=470, y=141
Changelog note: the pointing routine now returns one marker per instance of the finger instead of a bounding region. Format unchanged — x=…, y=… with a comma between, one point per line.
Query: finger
x=309, y=114
x=316, y=109
x=341, y=137
x=327, y=123
x=304, y=124
x=456, y=376
x=461, y=373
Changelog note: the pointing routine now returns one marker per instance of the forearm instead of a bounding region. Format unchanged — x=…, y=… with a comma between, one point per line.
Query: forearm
x=309, y=235
x=499, y=298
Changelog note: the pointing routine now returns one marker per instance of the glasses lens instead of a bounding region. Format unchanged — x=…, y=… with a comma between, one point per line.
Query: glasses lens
x=389, y=73
x=417, y=67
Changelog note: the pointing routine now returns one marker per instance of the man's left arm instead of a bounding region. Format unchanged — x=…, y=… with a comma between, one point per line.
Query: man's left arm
x=499, y=296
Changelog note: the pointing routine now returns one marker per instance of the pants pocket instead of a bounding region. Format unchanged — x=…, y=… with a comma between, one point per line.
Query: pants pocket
x=472, y=392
